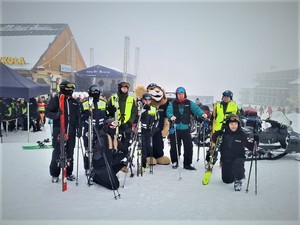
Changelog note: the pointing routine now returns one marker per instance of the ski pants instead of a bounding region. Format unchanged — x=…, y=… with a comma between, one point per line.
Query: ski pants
x=69, y=150
x=158, y=144
x=146, y=146
x=185, y=137
x=233, y=170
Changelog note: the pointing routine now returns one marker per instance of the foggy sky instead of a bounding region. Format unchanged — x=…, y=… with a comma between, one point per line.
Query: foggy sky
x=206, y=47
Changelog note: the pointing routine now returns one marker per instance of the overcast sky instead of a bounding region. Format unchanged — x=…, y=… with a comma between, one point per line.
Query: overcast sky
x=207, y=47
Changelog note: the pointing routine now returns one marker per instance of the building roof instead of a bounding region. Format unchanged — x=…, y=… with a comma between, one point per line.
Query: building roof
x=17, y=42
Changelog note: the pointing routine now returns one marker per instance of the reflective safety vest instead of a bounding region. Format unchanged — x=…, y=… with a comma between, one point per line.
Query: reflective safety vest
x=101, y=105
x=128, y=107
x=232, y=108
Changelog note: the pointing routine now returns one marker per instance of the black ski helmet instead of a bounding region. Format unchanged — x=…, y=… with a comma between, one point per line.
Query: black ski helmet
x=146, y=96
x=228, y=93
x=67, y=88
x=232, y=118
x=95, y=91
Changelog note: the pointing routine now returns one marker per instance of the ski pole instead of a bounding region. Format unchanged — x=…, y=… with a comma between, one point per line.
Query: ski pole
x=251, y=163
x=77, y=161
x=177, y=151
x=204, y=148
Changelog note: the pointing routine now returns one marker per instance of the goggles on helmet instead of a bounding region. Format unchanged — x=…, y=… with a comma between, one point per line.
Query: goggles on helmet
x=233, y=119
x=69, y=86
x=152, y=85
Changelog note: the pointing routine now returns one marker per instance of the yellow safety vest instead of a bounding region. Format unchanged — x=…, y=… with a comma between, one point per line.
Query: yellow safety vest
x=101, y=105
x=128, y=107
x=232, y=108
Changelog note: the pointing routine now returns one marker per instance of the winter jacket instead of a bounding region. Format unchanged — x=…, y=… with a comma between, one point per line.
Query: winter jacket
x=233, y=145
x=184, y=112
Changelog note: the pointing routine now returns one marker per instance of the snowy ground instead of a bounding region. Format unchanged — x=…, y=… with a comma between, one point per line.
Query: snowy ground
x=29, y=197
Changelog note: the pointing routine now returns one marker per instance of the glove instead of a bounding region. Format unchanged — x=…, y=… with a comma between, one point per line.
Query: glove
x=59, y=112
x=125, y=126
x=147, y=107
x=79, y=132
x=216, y=135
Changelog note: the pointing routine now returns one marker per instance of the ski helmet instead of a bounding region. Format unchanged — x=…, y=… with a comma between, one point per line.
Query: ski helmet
x=95, y=91
x=67, y=88
x=109, y=126
x=232, y=118
x=146, y=96
x=181, y=90
x=228, y=93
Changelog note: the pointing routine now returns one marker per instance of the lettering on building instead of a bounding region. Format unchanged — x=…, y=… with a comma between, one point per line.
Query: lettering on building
x=13, y=60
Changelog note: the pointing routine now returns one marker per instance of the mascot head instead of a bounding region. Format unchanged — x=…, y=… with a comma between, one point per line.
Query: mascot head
x=157, y=93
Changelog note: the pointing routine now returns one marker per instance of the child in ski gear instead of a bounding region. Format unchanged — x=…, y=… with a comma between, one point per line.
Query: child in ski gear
x=108, y=156
x=232, y=151
x=179, y=112
x=72, y=126
x=149, y=123
x=124, y=106
x=94, y=106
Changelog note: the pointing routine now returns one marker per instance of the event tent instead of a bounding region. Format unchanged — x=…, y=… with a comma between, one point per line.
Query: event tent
x=14, y=85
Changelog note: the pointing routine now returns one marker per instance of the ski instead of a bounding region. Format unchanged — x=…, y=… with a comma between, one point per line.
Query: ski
x=62, y=139
x=40, y=145
x=212, y=152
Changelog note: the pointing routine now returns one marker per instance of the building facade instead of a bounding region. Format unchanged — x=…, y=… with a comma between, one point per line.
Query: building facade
x=44, y=53
x=277, y=88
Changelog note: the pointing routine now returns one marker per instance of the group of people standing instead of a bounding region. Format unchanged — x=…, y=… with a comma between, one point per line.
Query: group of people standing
x=115, y=120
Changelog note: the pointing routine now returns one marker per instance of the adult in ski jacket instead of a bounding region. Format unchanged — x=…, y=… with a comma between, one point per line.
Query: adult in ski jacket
x=179, y=112
x=108, y=154
x=232, y=149
x=124, y=107
x=72, y=126
x=223, y=109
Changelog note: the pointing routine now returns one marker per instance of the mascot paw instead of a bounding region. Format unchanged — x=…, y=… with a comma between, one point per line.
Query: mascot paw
x=151, y=161
x=164, y=160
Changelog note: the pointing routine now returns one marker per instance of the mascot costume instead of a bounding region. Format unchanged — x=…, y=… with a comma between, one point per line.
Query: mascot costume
x=160, y=101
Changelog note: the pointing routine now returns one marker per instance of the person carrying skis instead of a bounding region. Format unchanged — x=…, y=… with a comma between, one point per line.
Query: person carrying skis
x=108, y=156
x=179, y=112
x=232, y=149
x=149, y=123
x=123, y=106
x=218, y=118
x=72, y=126
x=98, y=107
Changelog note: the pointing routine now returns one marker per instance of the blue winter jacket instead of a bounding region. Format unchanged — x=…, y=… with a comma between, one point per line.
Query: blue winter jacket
x=194, y=110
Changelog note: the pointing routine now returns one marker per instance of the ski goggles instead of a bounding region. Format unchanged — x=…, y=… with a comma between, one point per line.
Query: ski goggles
x=233, y=119
x=148, y=98
x=153, y=85
x=125, y=84
x=95, y=89
x=180, y=90
x=70, y=86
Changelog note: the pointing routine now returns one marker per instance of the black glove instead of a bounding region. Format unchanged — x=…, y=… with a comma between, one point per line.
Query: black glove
x=216, y=135
x=79, y=132
x=147, y=107
x=125, y=126
x=59, y=112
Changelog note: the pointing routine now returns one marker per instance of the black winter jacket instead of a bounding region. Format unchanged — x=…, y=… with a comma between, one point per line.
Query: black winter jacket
x=233, y=145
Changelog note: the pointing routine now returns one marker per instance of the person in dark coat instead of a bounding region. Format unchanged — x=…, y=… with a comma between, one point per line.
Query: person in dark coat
x=232, y=150
x=108, y=156
x=72, y=126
